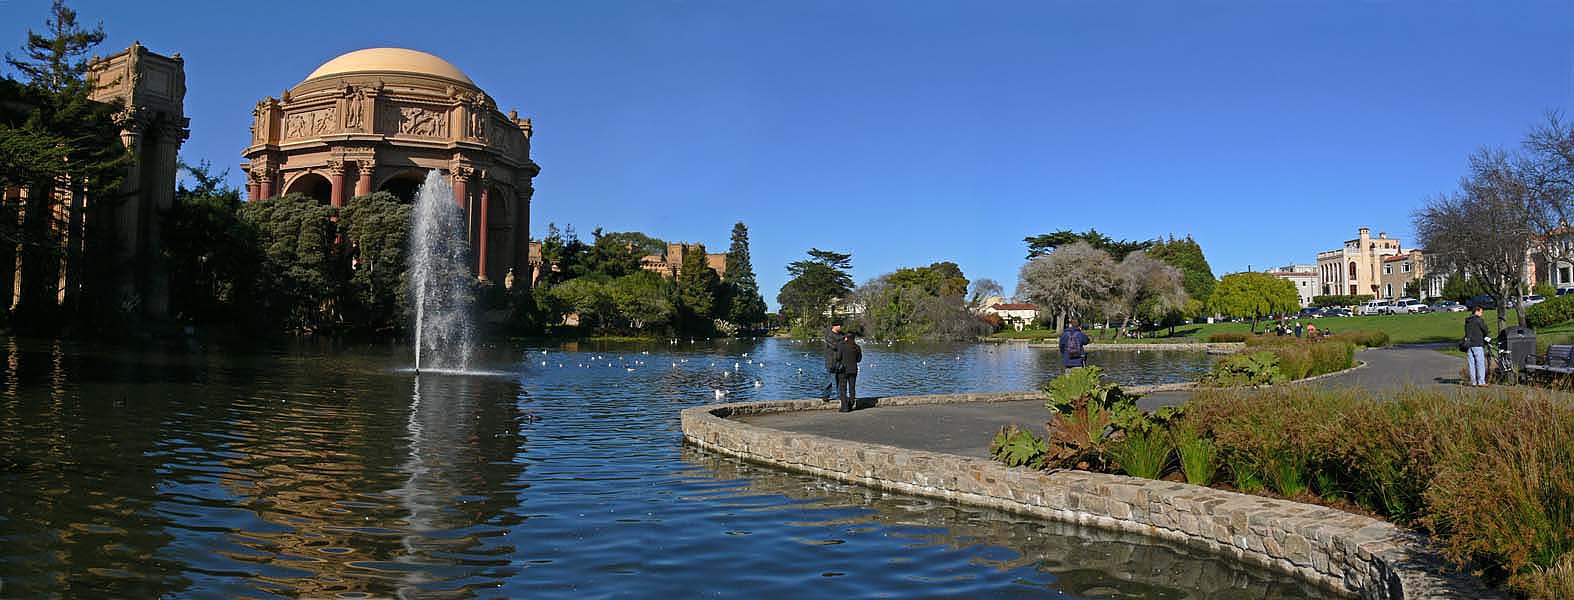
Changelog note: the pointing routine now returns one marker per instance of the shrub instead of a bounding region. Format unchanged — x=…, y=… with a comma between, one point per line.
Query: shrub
x=1246, y=368
x=1556, y=310
x=1143, y=453
x=1087, y=412
x=1369, y=339
x=1226, y=337
x=1199, y=457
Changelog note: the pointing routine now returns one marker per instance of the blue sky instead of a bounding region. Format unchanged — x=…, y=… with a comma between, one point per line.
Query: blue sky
x=913, y=132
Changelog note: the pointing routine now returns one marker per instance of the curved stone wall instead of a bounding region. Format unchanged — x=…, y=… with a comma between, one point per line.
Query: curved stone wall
x=1358, y=555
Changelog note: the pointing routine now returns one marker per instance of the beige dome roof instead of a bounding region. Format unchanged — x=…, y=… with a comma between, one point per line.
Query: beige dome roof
x=397, y=60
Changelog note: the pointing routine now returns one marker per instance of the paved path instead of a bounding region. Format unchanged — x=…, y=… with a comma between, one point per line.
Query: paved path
x=965, y=429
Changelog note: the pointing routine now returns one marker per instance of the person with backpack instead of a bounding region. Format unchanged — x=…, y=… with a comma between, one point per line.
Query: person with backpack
x=833, y=338
x=1073, y=346
x=1474, y=345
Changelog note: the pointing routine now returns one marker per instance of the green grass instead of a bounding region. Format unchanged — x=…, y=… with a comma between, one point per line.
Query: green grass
x=1401, y=329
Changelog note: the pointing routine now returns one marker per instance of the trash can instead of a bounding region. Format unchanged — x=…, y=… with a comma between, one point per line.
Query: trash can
x=1521, y=344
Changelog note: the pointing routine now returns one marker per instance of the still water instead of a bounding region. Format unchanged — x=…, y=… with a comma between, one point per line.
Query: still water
x=330, y=471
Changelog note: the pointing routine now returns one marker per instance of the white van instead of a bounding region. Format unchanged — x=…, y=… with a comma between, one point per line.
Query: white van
x=1373, y=307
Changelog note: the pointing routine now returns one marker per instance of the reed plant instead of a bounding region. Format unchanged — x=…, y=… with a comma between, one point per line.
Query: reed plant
x=1199, y=457
x=1143, y=453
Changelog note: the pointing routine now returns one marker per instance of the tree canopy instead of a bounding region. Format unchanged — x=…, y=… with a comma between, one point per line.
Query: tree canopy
x=815, y=282
x=1255, y=295
x=1043, y=244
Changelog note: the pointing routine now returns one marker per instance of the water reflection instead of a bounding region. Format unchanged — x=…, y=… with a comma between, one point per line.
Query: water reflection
x=321, y=470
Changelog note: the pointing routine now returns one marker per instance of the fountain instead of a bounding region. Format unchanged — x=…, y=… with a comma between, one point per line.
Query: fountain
x=440, y=281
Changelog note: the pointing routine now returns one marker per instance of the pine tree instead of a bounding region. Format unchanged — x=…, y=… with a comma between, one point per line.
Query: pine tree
x=697, y=285
x=745, y=305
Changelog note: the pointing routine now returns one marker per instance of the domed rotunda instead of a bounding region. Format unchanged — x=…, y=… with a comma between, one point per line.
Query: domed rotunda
x=379, y=119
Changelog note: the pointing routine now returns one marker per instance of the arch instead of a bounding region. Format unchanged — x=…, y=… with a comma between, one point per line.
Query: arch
x=500, y=232
x=311, y=185
x=403, y=185
x=1352, y=270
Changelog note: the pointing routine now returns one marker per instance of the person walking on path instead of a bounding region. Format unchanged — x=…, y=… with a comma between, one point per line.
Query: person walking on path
x=833, y=339
x=1073, y=346
x=1475, y=347
x=847, y=356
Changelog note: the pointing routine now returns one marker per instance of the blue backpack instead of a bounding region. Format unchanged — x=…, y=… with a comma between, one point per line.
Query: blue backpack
x=1074, y=344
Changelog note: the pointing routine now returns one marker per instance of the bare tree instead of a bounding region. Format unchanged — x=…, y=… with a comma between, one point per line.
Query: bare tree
x=1548, y=170
x=1145, y=287
x=1484, y=229
x=1076, y=279
x=983, y=288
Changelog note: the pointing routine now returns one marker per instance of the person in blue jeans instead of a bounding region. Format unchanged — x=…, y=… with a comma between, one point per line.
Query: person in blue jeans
x=1073, y=346
x=1475, y=347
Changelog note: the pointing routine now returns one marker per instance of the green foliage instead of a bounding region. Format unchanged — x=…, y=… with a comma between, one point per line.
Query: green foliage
x=744, y=305
x=644, y=300
x=298, y=267
x=1199, y=457
x=1554, y=311
x=1227, y=337
x=815, y=282
x=1044, y=244
x=1018, y=447
x=1186, y=255
x=918, y=303
x=1363, y=338
x=1254, y=295
x=1245, y=368
x=212, y=254
x=1081, y=384
x=1460, y=288
x=589, y=297
x=377, y=227
x=943, y=279
x=1340, y=300
x=1087, y=414
x=696, y=285
x=1143, y=453
x=1545, y=290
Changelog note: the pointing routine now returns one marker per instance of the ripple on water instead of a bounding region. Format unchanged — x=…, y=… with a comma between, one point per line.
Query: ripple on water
x=327, y=472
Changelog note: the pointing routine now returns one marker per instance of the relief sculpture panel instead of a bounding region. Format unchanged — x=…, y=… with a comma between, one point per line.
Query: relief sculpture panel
x=417, y=121
x=309, y=123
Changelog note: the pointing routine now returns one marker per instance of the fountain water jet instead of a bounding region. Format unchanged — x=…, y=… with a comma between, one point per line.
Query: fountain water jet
x=440, y=281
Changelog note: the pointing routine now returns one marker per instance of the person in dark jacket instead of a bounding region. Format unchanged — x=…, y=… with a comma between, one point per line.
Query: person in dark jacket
x=1073, y=346
x=1475, y=347
x=847, y=356
x=833, y=338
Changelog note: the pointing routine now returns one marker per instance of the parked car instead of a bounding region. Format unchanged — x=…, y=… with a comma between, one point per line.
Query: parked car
x=1448, y=306
x=1310, y=313
x=1405, y=306
x=1374, y=307
x=1528, y=301
x=1565, y=291
x=1337, y=311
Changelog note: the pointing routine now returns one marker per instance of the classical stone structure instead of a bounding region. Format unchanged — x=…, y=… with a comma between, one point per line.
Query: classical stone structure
x=151, y=90
x=379, y=119
x=670, y=263
x=1355, y=268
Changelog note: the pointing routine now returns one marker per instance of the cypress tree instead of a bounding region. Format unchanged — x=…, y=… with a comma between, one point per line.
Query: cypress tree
x=745, y=305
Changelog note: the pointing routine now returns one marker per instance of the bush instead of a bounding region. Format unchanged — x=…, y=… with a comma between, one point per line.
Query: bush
x=1245, y=368
x=1228, y=337
x=1368, y=339
x=1556, y=310
x=1199, y=457
x=1490, y=476
x=1017, y=447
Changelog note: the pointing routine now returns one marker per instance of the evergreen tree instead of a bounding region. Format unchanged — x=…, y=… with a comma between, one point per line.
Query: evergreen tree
x=745, y=306
x=58, y=109
x=815, y=283
x=697, y=285
x=1186, y=255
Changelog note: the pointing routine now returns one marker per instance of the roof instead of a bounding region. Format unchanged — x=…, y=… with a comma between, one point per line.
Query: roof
x=390, y=60
x=1396, y=258
x=1015, y=307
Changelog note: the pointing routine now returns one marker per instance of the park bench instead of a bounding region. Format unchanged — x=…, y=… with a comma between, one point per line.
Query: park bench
x=1558, y=361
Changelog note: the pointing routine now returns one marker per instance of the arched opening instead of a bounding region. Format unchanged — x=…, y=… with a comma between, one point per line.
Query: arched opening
x=313, y=186
x=500, y=234
x=403, y=186
x=1352, y=271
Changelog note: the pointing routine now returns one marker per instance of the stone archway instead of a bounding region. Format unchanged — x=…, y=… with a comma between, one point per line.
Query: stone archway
x=313, y=186
x=403, y=185
x=500, y=232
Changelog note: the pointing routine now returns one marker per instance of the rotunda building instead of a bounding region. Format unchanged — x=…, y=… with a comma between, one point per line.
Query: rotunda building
x=380, y=119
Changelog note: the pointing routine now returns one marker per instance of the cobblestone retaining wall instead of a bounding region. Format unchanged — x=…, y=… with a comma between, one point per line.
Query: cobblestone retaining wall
x=1358, y=555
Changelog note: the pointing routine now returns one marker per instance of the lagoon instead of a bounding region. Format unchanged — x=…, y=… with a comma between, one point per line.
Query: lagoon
x=329, y=470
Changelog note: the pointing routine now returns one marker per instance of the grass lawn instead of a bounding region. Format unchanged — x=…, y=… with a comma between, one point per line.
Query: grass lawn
x=1401, y=329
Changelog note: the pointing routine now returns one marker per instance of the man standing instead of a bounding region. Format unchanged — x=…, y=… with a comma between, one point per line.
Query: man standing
x=847, y=356
x=832, y=340
x=1475, y=347
x=1073, y=346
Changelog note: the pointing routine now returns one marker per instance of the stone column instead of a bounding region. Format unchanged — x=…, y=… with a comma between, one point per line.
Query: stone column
x=336, y=178
x=522, y=233
x=128, y=214
x=461, y=175
x=265, y=189
x=253, y=186
x=161, y=199
x=481, y=239
x=363, y=183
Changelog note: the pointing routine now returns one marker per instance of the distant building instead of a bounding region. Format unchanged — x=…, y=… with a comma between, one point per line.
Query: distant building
x=1356, y=268
x=1016, y=314
x=1303, y=277
x=670, y=263
x=1399, y=270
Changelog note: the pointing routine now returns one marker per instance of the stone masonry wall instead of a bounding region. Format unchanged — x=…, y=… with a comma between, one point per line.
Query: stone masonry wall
x=1357, y=555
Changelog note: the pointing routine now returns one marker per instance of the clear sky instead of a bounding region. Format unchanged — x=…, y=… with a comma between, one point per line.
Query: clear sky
x=912, y=132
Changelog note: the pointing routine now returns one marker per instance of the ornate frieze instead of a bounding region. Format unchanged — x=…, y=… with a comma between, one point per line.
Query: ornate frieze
x=309, y=123
x=413, y=120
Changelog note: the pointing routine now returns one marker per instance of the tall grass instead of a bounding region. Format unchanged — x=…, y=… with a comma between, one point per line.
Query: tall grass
x=1144, y=453
x=1490, y=475
x=1199, y=457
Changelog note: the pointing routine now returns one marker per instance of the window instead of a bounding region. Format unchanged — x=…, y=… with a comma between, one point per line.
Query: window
x=1388, y=269
x=1352, y=272
x=1388, y=290
x=1405, y=266
x=1563, y=275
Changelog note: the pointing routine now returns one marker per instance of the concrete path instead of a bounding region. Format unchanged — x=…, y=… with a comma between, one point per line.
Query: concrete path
x=965, y=429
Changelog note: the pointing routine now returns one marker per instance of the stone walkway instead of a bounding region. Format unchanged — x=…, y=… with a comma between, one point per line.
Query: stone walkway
x=965, y=429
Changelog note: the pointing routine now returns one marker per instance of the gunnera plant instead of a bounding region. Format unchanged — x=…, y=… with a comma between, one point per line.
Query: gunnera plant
x=1018, y=447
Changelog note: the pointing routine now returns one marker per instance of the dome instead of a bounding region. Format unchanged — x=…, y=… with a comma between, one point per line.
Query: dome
x=395, y=60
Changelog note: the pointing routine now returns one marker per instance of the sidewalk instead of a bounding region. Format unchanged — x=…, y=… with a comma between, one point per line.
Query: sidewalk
x=965, y=429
